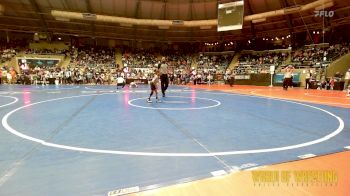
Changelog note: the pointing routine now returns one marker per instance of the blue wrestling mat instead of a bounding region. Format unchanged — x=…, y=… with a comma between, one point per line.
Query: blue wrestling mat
x=89, y=140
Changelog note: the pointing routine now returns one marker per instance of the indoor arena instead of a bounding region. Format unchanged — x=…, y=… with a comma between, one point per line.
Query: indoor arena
x=174, y=97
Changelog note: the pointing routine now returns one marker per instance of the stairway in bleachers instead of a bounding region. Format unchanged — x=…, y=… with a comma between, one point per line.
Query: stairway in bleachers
x=65, y=62
x=234, y=61
x=118, y=57
x=12, y=63
x=194, y=63
x=340, y=65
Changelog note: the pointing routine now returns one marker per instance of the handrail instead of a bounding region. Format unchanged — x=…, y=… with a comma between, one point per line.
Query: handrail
x=218, y=53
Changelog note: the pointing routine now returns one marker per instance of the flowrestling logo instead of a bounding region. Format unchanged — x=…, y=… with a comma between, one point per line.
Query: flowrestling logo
x=323, y=13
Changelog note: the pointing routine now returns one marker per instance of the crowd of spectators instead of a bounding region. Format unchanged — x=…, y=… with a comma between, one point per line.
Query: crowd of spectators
x=139, y=59
x=141, y=63
x=92, y=57
x=70, y=75
x=178, y=61
x=246, y=69
x=310, y=56
x=270, y=58
x=151, y=58
x=7, y=54
x=215, y=63
x=194, y=76
x=250, y=63
x=98, y=65
x=46, y=52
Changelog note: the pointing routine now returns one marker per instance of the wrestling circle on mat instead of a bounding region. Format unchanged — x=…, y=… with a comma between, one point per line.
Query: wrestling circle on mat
x=225, y=124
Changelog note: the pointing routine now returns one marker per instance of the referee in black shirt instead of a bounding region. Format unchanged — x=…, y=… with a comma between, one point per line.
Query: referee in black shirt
x=164, y=79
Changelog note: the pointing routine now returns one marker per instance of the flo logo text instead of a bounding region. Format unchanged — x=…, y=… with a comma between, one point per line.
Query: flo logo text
x=323, y=13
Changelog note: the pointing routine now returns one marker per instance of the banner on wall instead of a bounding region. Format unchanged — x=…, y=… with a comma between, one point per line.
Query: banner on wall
x=278, y=78
x=242, y=77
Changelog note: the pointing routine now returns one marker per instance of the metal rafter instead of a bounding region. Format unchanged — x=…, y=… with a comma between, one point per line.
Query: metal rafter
x=89, y=9
x=66, y=5
x=191, y=15
x=164, y=17
x=289, y=19
x=137, y=9
x=164, y=9
x=205, y=10
x=136, y=15
x=34, y=4
x=178, y=11
x=99, y=27
x=113, y=35
x=252, y=27
x=14, y=19
x=190, y=10
x=126, y=8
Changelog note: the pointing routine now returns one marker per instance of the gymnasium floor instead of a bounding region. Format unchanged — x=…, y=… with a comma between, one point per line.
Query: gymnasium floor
x=90, y=140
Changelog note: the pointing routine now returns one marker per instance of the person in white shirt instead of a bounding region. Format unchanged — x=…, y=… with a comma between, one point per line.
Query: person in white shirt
x=288, y=81
x=120, y=82
x=347, y=79
x=68, y=76
x=307, y=79
x=9, y=78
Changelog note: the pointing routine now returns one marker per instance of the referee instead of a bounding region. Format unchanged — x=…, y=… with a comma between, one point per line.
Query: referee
x=164, y=80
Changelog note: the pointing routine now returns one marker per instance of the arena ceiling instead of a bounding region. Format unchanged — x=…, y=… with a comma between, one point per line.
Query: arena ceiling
x=35, y=16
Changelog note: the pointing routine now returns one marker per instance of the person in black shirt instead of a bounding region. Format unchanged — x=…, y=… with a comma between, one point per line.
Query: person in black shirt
x=164, y=80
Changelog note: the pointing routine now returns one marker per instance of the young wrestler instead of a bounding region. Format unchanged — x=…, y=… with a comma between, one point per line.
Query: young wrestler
x=154, y=84
x=133, y=85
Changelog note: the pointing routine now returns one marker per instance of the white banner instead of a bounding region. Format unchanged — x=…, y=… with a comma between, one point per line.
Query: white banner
x=242, y=77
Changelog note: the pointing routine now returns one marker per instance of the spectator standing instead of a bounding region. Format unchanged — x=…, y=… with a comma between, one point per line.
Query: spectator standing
x=288, y=81
x=307, y=79
x=232, y=78
x=347, y=79
x=331, y=83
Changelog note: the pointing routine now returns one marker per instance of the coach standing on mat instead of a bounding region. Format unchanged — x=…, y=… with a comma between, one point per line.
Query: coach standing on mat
x=346, y=79
x=288, y=77
x=164, y=80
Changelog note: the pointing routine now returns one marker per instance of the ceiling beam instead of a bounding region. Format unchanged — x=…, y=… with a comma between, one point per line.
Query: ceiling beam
x=290, y=21
x=190, y=9
x=205, y=11
x=137, y=9
x=113, y=35
x=191, y=15
x=252, y=27
x=37, y=10
x=164, y=9
x=14, y=18
x=284, y=4
x=89, y=10
x=135, y=27
x=164, y=36
x=297, y=29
